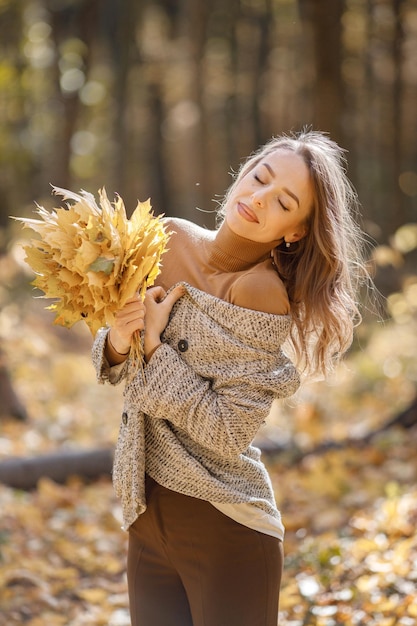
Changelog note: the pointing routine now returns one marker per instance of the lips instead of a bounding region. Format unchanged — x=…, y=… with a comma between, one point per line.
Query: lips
x=247, y=213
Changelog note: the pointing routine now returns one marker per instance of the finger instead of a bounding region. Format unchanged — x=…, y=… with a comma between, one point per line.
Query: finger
x=157, y=294
x=133, y=309
x=126, y=327
x=127, y=318
x=174, y=295
x=135, y=298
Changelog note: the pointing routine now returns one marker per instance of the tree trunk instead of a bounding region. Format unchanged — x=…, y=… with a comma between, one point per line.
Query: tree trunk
x=324, y=21
x=78, y=21
x=398, y=217
x=10, y=404
x=405, y=419
x=121, y=20
x=24, y=473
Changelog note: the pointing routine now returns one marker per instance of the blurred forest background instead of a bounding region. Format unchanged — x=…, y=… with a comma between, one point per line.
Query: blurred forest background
x=162, y=99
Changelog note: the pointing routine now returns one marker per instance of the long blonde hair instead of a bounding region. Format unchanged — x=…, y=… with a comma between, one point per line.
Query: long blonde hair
x=322, y=272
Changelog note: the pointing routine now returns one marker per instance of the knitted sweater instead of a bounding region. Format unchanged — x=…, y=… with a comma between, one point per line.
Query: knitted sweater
x=190, y=420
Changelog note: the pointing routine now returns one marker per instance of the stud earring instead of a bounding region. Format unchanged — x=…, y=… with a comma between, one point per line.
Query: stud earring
x=288, y=244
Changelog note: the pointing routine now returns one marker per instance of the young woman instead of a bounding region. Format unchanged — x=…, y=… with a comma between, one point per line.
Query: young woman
x=205, y=535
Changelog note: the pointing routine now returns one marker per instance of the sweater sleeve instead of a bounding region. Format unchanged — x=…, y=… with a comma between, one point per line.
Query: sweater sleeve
x=223, y=417
x=104, y=371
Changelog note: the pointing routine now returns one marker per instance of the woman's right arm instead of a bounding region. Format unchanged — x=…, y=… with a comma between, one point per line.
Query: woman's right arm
x=128, y=320
x=112, y=346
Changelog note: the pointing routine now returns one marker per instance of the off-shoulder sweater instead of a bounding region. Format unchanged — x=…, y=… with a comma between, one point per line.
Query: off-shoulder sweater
x=189, y=421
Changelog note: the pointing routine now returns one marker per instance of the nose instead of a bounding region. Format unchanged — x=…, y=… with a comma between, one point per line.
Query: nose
x=258, y=199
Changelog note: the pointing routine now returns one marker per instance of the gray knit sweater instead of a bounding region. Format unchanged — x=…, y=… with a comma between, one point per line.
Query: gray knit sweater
x=190, y=420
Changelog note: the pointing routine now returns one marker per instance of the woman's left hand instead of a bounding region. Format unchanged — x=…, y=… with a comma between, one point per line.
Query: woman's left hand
x=158, y=306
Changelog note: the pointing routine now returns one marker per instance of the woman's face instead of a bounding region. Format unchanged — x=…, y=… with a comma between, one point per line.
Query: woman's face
x=273, y=200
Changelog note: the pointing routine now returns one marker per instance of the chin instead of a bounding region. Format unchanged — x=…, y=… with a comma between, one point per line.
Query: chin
x=239, y=230
x=238, y=225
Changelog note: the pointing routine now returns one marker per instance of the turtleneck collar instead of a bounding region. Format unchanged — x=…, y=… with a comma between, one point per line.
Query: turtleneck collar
x=232, y=253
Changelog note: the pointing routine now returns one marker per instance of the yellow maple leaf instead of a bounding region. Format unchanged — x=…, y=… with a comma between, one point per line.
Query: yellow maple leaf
x=91, y=258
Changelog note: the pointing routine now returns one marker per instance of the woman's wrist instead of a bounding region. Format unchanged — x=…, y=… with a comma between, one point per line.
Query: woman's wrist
x=151, y=343
x=148, y=355
x=122, y=351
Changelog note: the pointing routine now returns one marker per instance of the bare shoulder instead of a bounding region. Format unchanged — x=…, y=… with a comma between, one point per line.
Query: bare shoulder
x=261, y=290
x=176, y=223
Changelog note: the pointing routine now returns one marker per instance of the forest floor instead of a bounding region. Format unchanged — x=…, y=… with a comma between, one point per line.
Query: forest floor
x=350, y=513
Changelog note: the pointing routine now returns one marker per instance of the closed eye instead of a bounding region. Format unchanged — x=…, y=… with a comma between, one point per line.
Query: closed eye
x=283, y=206
x=256, y=177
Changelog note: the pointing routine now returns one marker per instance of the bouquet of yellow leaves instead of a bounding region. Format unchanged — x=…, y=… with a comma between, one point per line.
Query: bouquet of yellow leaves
x=91, y=259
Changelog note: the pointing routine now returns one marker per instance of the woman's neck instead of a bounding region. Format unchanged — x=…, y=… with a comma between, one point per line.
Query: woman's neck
x=229, y=252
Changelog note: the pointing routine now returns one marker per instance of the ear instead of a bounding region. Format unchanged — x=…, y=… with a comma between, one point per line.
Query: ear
x=301, y=232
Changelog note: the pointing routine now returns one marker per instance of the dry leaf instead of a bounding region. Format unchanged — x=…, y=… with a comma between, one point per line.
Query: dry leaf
x=91, y=259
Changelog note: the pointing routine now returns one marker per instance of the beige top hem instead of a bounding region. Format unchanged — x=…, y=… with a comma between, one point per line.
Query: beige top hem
x=252, y=517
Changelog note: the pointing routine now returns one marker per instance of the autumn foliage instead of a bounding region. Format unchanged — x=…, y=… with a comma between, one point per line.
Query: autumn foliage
x=91, y=258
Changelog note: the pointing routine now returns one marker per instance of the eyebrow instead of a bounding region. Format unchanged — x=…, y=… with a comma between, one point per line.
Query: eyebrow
x=290, y=193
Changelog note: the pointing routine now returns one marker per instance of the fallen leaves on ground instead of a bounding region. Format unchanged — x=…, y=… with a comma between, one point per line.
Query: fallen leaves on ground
x=350, y=513
x=62, y=556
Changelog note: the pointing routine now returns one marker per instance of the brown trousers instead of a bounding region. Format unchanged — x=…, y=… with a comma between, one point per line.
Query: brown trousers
x=191, y=565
